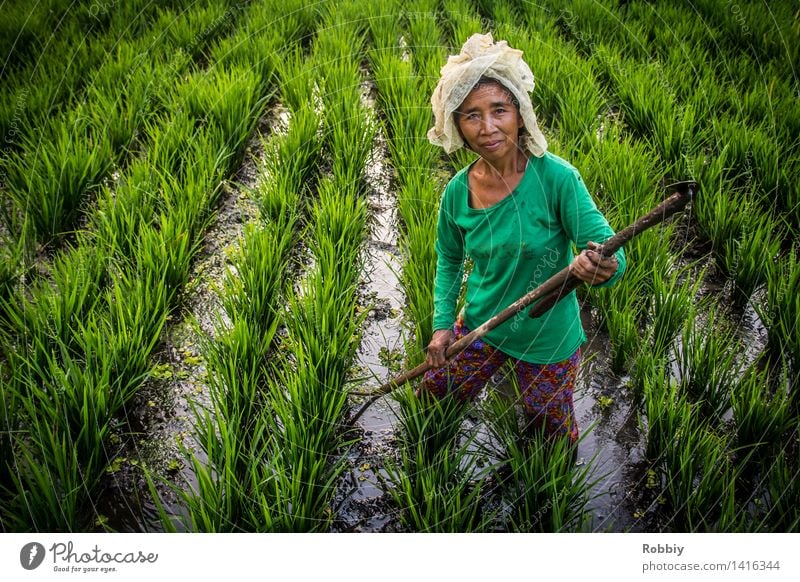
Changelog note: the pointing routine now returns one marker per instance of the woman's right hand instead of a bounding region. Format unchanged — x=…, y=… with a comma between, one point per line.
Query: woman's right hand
x=441, y=340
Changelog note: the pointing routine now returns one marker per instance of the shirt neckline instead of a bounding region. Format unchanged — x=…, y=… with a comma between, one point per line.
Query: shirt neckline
x=511, y=194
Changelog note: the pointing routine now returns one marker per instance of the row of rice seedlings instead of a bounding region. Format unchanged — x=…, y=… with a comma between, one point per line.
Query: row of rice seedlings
x=67, y=52
x=308, y=394
x=539, y=486
x=160, y=265
x=292, y=466
x=435, y=483
x=61, y=165
x=233, y=481
x=239, y=484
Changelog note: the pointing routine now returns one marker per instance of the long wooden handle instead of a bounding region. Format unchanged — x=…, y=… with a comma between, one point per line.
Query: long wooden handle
x=550, y=292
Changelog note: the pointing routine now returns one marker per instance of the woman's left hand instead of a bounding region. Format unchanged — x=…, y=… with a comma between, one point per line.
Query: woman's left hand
x=592, y=267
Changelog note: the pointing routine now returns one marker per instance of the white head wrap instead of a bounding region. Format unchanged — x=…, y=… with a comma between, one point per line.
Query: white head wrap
x=480, y=57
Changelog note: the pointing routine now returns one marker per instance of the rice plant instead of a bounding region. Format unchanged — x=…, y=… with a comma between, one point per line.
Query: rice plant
x=783, y=486
x=536, y=476
x=53, y=180
x=665, y=407
x=434, y=484
x=709, y=363
x=701, y=480
x=670, y=306
x=749, y=257
x=781, y=314
x=761, y=413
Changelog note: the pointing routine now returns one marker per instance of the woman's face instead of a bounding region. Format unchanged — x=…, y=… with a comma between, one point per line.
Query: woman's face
x=490, y=122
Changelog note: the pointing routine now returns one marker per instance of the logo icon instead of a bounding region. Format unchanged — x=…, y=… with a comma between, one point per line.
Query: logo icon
x=31, y=555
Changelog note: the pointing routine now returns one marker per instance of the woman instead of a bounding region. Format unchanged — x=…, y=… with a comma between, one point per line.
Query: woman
x=515, y=212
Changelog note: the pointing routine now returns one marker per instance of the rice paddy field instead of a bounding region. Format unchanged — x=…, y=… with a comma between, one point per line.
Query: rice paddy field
x=218, y=221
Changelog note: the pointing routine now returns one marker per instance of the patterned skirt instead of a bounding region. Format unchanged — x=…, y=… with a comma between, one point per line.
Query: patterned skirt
x=546, y=389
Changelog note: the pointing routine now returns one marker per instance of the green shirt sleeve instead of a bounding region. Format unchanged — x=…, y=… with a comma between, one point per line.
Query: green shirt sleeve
x=583, y=222
x=449, y=266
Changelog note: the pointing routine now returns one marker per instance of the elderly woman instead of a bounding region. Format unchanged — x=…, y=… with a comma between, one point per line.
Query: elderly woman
x=516, y=212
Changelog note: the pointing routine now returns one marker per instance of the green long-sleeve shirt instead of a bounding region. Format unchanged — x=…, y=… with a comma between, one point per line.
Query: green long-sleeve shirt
x=515, y=246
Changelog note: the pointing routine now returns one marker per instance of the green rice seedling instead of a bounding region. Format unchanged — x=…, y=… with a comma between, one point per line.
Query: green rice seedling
x=339, y=227
x=461, y=21
x=439, y=496
x=747, y=259
x=709, y=363
x=297, y=77
x=579, y=105
x=119, y=114
x=783, y=487
x=621, y=172
x=641, y=95
x=536, y=476
x=49, y=479
x=434, y=482
x=700, y=479
x=762, y=416
x=50, y=181
x=397, y=92
x=645, y=369
x=665, y=407
x=621, y=315
x=461, y=158
x=169, y=135
x=233, y=487
x=187, y=199
x=670, y=306
x=193, y=28
x=419, y=264
x=429, y=425
x=229, y=100
x=36, y=324
x=121, y=211
x=308, y=403
x=781, y=314
x=289, y=168
x=164, y=254
x=260, y=279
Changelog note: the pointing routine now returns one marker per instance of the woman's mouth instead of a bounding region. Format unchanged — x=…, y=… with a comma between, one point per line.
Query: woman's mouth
x=492, y=145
